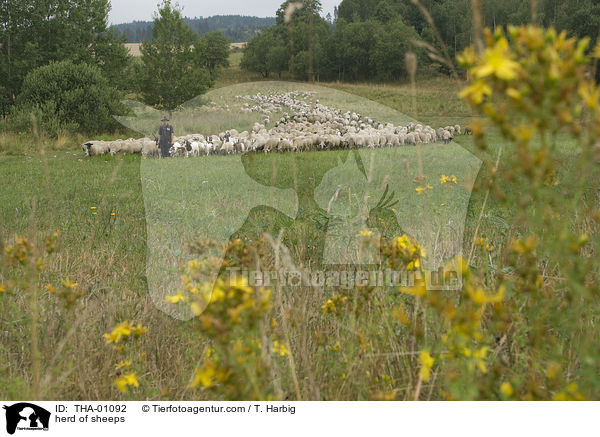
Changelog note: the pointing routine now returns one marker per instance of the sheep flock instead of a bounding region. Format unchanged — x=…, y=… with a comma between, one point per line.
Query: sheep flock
x=300, y=123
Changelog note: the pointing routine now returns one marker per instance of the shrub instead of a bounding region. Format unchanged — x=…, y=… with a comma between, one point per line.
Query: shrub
x=75, y=96
x=46, y=118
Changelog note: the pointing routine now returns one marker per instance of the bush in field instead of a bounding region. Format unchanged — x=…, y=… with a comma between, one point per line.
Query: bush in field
x=46, y=119
x=68, y=95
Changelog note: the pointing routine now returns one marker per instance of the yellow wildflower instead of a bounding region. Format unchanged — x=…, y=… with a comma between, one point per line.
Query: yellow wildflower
x=204, y=376
x=497, y=62
x=513, y=94
x=196, y=308
x=120, y=331
x=139, y=330
x=122, y=364
x=176, y=298
x=67, y=283
x=506, y=389
x=479, y=356
x=366, y=233
x=479, y=296
x=476, y=92
x=590, y=93
x=127, y=380
x=426, y=364
x=328, y=306
x=279, y=348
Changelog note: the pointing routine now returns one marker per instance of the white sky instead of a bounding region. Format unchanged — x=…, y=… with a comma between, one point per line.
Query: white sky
x=124, y=11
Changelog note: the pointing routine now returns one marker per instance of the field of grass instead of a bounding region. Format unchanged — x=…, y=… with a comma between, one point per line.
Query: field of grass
x=125, y=221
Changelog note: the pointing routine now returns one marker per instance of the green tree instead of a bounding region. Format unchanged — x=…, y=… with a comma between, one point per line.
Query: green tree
x=172, y=70
x=277, y=59
x=256, y=53
x=36, y=32
x=391, y=44
x=355, y=42
x=78, y=95
x=213, y=51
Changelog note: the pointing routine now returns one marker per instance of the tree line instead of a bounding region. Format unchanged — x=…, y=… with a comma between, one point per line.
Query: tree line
x=237, y=28
x=368, y=39
x=61, y=62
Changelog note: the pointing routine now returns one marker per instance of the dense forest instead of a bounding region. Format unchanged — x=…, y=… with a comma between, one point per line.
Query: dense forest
x=236, y=28
x=368, y=39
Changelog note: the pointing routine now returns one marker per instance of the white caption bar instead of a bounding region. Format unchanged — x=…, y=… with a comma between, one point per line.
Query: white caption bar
x=297, y=418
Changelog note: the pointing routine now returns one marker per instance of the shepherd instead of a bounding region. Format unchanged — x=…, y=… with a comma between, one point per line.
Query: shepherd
x=166, y=137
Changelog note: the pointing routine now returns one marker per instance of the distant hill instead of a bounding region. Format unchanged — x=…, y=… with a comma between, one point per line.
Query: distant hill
x=237, y=28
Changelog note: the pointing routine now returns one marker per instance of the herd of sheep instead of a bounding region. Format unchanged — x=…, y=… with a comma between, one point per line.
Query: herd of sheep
x=302, y=124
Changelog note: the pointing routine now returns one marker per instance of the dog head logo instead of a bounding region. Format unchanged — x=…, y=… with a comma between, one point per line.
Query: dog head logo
x=26, y=416
x=309, y=165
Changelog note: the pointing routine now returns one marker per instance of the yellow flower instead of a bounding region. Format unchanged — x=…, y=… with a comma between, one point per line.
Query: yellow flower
x=176, y=298
x=122, y=365
x=280, y=349
x=139, y=330
x=524, y=246
x=506, y=389
x=217, y=295
x=479, y=296
x=467, y=58
x=590, y=93
x=476, y=92
x=366, y=233
x=92, y=207
x=513, y=94
x=419, y=190
x=479, y=356
x=426, y=364
x=127, y=380
x=196, y=308
x=120, y=331
x=328, y=306
x=204, y=376
x=2, y=288
x=497, y=62
x=67, y=283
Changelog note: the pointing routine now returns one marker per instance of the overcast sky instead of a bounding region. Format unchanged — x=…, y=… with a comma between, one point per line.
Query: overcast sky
x=124, y=11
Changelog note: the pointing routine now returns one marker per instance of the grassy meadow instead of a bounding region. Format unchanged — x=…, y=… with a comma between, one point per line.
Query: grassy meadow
x=125, y=221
